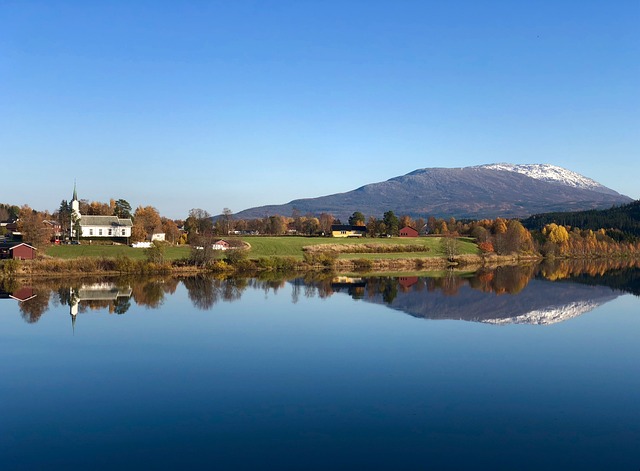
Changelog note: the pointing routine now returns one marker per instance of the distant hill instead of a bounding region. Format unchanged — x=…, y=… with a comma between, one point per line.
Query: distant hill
x=486, y=191
x=624, y=218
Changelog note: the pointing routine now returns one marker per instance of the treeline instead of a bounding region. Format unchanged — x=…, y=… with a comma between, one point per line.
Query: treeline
x=621, y=223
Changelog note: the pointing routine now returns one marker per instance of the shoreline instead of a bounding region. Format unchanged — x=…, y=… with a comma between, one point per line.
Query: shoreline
x=60, y=268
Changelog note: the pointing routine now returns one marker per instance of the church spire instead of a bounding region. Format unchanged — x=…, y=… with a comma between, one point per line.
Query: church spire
x=75, y=194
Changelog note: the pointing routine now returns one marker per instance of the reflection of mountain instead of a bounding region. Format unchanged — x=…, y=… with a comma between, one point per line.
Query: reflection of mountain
x=540, y=302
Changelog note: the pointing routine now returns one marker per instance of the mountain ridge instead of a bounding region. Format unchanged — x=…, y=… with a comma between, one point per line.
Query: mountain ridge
x=484, y=191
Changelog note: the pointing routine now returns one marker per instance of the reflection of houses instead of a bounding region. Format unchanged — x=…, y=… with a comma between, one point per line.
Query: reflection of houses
x=22, y=294
x=17, y=251
x=407, y=282
x=347, y=230
x=96, y=292
x=408, y=231
x=97, y=226
x=353, y=285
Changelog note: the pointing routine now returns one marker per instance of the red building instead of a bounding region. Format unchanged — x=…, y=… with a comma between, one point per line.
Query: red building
x=17, y=251
x=408, y=232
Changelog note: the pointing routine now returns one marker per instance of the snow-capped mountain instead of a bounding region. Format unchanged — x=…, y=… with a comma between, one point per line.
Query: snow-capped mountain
x=552, y=174
x=486, y=191
x=548, y=316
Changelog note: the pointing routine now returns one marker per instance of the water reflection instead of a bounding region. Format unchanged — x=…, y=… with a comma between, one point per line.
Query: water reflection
x=542, y=294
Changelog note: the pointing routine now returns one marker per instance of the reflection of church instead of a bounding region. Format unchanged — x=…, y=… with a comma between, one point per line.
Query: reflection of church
x=96, y=292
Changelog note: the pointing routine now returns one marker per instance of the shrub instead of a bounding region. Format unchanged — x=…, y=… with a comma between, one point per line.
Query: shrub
x=10, y=267
x=326, y=259
x=235, y=256
x=124, y=264
x=486, y=247
x=155, y=253
x=362, y=264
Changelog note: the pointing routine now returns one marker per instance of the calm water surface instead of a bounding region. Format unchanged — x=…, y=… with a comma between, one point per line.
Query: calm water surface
x=508, y=369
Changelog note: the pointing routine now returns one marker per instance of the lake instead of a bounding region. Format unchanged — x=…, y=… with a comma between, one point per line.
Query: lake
x=522, y=368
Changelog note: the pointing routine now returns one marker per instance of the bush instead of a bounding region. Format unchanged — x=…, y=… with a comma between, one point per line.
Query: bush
x=235, y=256
x=10, y=267
x=124, y=264
x=155, y=253
x=362, y=264
x=277, y=263
x=486, y=247
x=326, y=259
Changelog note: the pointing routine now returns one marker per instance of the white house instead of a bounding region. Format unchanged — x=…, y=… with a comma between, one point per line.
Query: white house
x=97, y=226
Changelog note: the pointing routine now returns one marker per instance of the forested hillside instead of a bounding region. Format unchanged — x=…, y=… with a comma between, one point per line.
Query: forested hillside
x=619, y=221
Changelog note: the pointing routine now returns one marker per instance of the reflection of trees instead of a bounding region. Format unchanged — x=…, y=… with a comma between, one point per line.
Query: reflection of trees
x=170, y=285
x=233, y=288
x=122, y=305
x=201, y=291
x=511, y=279
x=620, y=274
x=149, y=293
x=32, y=309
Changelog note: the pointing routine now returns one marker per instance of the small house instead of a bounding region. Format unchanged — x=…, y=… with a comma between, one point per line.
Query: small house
x=346, y=230
x=17, y=251
x=221, y=245
x=408, y=231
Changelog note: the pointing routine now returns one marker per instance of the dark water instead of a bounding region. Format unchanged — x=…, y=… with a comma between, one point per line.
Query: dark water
x=519, y=368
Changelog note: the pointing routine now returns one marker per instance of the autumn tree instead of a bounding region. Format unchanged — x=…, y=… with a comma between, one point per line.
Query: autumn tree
x=97, y=208
x=311, y=225
x=450, y=246
x=225, y=222
x=170, y=229
x=198, y=222
x=146, y=222
x=515, y=239
x=357, y=219
x=326, y=220
x=431, y=224
x=31, y=225
x=275, y=225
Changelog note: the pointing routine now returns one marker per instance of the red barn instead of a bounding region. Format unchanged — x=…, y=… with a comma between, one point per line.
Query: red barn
x=18, y=251
x=408, y=232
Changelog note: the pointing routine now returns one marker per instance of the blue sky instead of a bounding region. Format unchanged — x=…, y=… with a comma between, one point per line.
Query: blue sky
x=243, y=103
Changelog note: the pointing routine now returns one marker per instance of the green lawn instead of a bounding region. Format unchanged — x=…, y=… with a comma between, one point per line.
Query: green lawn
x=76, y=251
x=292, y=246
x=269, y=247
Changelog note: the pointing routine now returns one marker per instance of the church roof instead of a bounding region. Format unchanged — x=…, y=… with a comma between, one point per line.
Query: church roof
x=109, y=221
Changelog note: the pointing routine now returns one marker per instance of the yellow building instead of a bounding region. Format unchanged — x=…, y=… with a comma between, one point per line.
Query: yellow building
x=346, y=230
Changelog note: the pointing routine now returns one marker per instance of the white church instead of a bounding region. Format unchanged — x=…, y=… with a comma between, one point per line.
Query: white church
x=97, y=226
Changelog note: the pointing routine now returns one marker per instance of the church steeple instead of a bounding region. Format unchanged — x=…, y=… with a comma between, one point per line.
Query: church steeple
x=75, y=193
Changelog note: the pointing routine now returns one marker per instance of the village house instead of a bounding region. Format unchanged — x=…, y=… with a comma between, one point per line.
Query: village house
x=17, y=251
x=347, y=230
x=221, y=245
x=408, y=231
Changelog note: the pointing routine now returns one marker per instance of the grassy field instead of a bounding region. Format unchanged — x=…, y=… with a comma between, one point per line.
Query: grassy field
x=292, y=246
x=76, y=251
x=269, y=247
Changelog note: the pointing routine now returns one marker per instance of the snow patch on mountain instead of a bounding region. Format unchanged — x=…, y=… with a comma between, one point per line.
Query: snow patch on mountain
x=550, y=173
x=549, y=316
